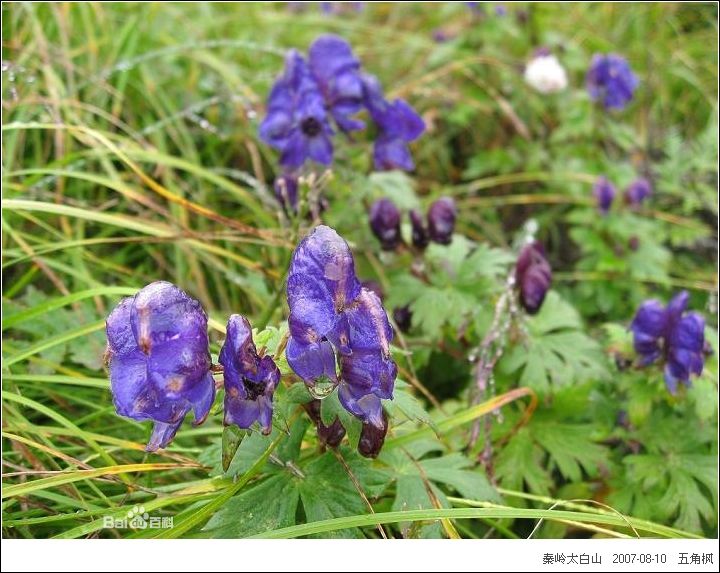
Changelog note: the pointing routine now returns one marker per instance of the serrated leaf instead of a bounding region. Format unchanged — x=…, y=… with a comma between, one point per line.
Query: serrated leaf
x=267, y=506
x=556, y=352
x=519, y=463
x=327, y=491
x=571, y=448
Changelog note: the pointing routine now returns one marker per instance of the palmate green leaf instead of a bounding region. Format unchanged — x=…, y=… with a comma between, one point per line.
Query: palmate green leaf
x=570, y=446
x=437, y=306
x=321, y=488
x=520, y=463
x=676, y=489
x=446, y=473
x=485, y=261
x=269, y=505
x=556, y=352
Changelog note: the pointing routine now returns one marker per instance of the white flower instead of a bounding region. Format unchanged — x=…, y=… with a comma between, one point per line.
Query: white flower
x=545, y=74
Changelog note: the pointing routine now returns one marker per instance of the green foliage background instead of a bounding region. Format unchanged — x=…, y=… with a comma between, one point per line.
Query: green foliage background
x=130, y=154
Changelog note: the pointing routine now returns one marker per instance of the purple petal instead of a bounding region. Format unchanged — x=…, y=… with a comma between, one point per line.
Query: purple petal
x=128, y=379
x=323, y=263
x=367, y=407
x=311, y=361
x=369, y=327
x=162, y=312
x=162, y=435
x=392, y=153
x=176, y=366
x=120, y=336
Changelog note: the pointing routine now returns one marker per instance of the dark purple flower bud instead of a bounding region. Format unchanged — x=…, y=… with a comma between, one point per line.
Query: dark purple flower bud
x=159, y=360
x=398, y=124
x=296, y=121
x=331, y=435
x=250, y=381
x=441, y=220
x=672, y=334
x=286, y=192
x=634, y=243
x=441, y=36
x=604, y=193
x=385, y=223
x=623, y=420
x=420, y=238
x=374, y=287
x=372, y=438
x=611, y=81
x=337, y=72
x=637, y=192
x=533, y=276
x=402, y=315
x=330, y=314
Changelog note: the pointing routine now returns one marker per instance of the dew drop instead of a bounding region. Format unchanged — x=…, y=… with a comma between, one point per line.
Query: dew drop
x=322, y=388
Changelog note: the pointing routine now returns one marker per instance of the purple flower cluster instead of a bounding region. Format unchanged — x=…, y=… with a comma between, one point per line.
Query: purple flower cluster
x=160, y=367
x=250, y=381
x=333, y=317
x=330, y=88
x=611, y=81
x=670, y=333
x=604, y=193
x=385, y=223
x=533, y=276
x=159, y=360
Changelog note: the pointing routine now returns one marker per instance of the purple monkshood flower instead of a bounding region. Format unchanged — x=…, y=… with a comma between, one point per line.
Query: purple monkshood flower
x=611, y=81
x=296, y=121
x=337, y=71
x=533, y=276
x=398, y=124
x=604, y=193
x=286, y=192
x=420, y=238
x=330, y=86
x=441, y=220
x=159, y=360
x=385, y=223
x=637, y=192
x=250, y=381
x=332, y=315
x=670, y=333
